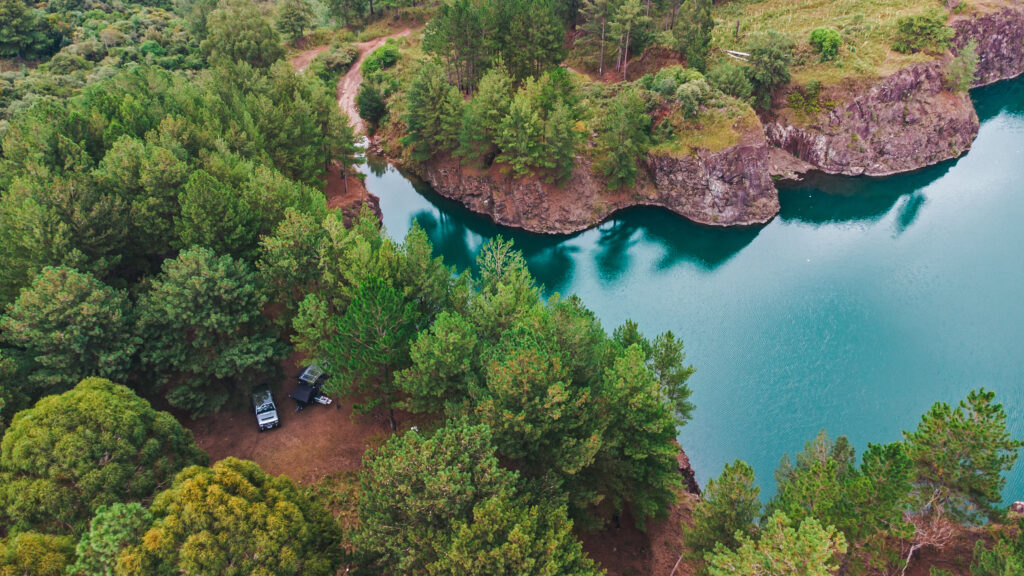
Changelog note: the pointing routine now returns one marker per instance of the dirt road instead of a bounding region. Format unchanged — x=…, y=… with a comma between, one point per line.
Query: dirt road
x=302, y=60
x=348, y=86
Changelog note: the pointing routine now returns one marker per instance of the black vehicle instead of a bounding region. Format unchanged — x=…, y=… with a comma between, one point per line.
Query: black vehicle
x=311, y=379
x=266, y=410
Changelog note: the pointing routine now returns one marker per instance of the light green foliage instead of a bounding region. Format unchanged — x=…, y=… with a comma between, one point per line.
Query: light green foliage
x=35, y=554
x=237, y=31
x=234, y=519
x=443, y=364
x=1004, y=558
x=204, y=334
x=539, y=131
x=289, y=259
x=963, y=68
x=381, y=58
x=960, y=455
x=414, y=488
x=692, y=31
x=293, y=17
x=782, y=550
x=728, y=510
x=111, y=530
x=96, y=444
x=434, y=114
x=826, y=41
x=770, y=56
x=923, y=33
x=70, y=326
x=623, y=137
x=509, y=538
x=483, y=115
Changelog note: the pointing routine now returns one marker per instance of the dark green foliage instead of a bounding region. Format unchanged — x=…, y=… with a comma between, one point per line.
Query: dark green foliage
x=539, y=131
x=434, y=113
x=1004, y=558
x=456, y=35
x=826, y=41
x=381, y=58
x=70, y=326
x=35, y=554
x=692, y=31
x=336, y=61
x=623, y=137
x=728, y=509
x=962, y=70
x=370, y=103
x=111, y=530
x=923, y=33
x=234, y=518
x=770, y=56
x=443, y=362
x=960, y=455
x=96, y=444
x=483, y=115
x=23, y=32
x=807, y=99
x=237, y=31
x=203, y=332
x=293, y=17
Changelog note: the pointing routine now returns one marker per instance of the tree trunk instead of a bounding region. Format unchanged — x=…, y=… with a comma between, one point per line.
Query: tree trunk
x=600, y=63
x=391, y=417
x=625, y=54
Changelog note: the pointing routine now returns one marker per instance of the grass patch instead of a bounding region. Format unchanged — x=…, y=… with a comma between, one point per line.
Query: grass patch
x=713, y=128
x=867, y=28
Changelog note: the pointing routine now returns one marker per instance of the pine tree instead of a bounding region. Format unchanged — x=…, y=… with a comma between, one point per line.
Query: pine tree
x=597, y=14
x=624, y=136
x=628, y=18
x=293, y=17
x=692, y=32
x=728, y=510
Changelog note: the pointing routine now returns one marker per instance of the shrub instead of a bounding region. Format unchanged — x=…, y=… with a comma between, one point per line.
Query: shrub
x=691, y=95
x=371, y=104
x=732, y=80
x=961, y=71
x=807, y=99
x=826, y=41
x=922, y=33
x=381, y=58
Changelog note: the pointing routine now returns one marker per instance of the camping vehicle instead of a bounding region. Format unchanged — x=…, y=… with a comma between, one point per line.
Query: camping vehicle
x=311, y=379
x=266, y=410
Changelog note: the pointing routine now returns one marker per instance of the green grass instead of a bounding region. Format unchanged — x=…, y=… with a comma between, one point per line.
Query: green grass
x=867, y=27
x=712, y=129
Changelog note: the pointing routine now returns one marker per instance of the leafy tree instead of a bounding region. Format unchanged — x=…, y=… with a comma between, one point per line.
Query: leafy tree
x=370, y=103
x=728, y=509
x=22, y=31
x=624, y=136
x=962, y=70
x=237, y=31
x=827, y=42
x=415, y=489
x=234, y=518
x=372, y=341
x=692, y=32
x=35, y=554
x=782, y=550
x=433, y=115
x=203, y=330
x=111, y=530
x=770, y=56
x=960, y=455
x=96, y=444
x=293, y=17
x=509, y=538
x=923, y=33
x=71, y=326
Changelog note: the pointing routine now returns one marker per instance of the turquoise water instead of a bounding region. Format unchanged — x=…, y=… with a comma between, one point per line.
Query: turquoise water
x=863, y=303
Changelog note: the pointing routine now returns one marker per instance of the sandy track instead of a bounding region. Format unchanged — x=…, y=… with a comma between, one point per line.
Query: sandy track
x=348, y=86
x=302, y=60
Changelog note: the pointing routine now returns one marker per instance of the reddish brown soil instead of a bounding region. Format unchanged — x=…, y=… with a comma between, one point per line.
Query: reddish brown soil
x=349, y=194
x=624, y=550
x=302, y=60
x=348, y=86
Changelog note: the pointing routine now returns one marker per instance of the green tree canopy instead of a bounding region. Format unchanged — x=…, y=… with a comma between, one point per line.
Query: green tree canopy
x=293, y=17
x=770, y=56
x=111, y=530
x=782, y=550
x=204, y=333
x=234, y=518
x=35, y=554
x=728, y=509
x=71, y=326
x=96, y=444
x=237, y=31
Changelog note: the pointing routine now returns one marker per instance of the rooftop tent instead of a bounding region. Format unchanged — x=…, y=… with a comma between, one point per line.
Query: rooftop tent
x=303, y=393
x=311, y=375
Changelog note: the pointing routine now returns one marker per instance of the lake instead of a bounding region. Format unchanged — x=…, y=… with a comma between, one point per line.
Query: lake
x=861, y=304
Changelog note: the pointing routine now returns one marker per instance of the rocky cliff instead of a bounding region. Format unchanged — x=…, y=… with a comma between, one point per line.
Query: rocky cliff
x=900, y=123
x=728, y=187
x=1000, y=37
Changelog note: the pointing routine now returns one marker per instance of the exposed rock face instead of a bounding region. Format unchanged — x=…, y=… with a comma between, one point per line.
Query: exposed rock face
x=900, y=123
x=1000, y=37
x=724, y=188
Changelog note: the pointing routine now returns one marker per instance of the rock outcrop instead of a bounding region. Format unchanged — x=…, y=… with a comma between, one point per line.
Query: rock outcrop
x=900, y=123
x=1000, y=38
x=728, y=187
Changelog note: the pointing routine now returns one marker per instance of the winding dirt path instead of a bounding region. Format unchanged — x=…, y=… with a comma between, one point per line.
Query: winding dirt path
x=302, y=60
x=348, y=86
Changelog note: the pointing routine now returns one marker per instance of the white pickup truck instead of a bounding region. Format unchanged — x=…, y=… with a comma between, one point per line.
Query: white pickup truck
x=266, y=410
